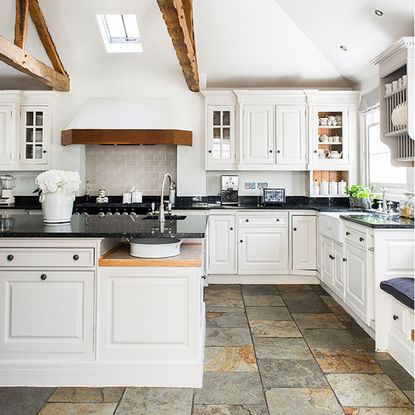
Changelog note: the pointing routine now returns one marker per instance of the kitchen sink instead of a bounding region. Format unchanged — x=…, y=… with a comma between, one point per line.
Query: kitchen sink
x=167, y=217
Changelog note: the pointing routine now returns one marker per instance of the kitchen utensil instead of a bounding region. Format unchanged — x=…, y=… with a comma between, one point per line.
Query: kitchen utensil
x=333, y=187
x=324, y=188
x=323, y=138
x=335, y=139
x=229, y=189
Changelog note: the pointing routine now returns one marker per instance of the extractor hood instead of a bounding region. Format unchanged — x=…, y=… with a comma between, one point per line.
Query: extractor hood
x=127, y=121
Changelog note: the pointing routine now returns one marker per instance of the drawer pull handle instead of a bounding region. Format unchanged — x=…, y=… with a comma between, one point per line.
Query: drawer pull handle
x=395, y=317
x=347, y=233
x=246, y=220
x=361, y=239
x=10, y=257
x=43, y=277
x=76, y=257
x=344, y=259
x=277, y=220
x=331, y=256
x=294, y=229
x=231, y=229
x=241, y=241
x=203, y=277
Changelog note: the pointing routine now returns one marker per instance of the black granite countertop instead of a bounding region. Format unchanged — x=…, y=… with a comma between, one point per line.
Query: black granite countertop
x=93, y=226
x=379, y=221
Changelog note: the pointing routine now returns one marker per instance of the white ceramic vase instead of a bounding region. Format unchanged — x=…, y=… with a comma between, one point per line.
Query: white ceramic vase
x=57, y=207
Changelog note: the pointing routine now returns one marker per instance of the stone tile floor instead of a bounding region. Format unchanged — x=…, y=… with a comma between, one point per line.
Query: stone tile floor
x=270, y=350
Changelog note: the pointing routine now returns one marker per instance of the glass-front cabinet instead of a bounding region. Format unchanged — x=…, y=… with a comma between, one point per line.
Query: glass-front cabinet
x=330, y=135
x=220, y=136
x=34, y=135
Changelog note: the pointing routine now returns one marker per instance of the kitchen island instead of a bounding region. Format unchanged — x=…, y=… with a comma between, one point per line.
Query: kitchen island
x=77, y=310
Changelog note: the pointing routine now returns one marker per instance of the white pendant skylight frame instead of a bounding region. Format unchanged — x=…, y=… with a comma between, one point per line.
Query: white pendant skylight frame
x=120, y=33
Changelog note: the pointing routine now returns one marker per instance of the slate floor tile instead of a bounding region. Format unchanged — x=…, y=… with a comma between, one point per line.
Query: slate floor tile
x=230, y=359
x=318, y=289
x=268, y=313
x=329, y=300
x=302, y=401
x=318, y=321
x=295, y=287
x=330, y=339
x=410, y=394
x=87, y=395
x=230, y=410
x=290, y=373
x=23, y=401
x=377, y=411
x=223, y=287
x=156, y=401
x=227, y=337
x=53, y=408
x=263, y=300
x=230, y=388
x=225, y=298
x=226, y=317
x=346, y=361
x=281, y=348
x=398, y=374
x=260, y=289
x=299, y=295
x=305, y=306
x=274, y=328
x=367, y=391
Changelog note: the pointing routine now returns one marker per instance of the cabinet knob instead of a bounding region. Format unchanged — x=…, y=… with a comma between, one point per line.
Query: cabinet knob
x=44, y=151
x=246, y=220
x=43, y=277
x=241, y=241
x=277, y=220
x=76, y=257
x=361, y=239
x=347, y=233
x=270, y=151
x=210, y=151
x=231, y=229
x=203, y=277
x=278, y=151
x=10, y=257
x=395, y=317
x=344, y=259
x=331, y=256
x=294, y=229
x=315, y=151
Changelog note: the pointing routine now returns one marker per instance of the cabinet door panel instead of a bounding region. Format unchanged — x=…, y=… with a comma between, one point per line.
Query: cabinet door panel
x=222, y=234
x=6, y=135
x=356, y=292
x=52, y=314
x=291, y=134
x=262, y=251
x=338, y=274
x=258, y=134
x=304, y=242
x=326, y=261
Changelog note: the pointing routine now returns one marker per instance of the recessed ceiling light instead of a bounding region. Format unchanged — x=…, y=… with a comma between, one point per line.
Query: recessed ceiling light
x=378, y=12
x=343, y=48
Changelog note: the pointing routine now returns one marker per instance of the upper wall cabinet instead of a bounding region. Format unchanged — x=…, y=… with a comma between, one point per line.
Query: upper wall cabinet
x=257, y=138
x=25, y=131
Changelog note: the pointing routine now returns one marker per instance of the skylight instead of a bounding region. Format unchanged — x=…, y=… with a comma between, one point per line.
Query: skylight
x=120, y=33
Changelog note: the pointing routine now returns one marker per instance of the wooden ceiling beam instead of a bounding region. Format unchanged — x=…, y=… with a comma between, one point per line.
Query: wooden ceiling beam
x=24, y=62
x=20, y=27
x=178, y=16
x=44, y=35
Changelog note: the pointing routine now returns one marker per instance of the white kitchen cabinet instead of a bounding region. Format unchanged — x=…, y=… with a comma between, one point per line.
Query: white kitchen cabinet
x=46, y=311
x=291, y=135
x=262, y=250
x=356, y=280
x=34, y=135
x=220, y=136
x=304, y=244
x=257, y=138
x=338, y=269
x=221, y=245
x=7, y=115
x=327, y=261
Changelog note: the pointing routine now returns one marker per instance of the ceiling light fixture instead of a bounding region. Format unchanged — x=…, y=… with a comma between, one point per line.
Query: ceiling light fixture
x=343, y=48
x=379, y=12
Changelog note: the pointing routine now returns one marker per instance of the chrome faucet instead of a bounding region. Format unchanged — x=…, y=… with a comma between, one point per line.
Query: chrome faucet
x=384, y=202
x=162, y=216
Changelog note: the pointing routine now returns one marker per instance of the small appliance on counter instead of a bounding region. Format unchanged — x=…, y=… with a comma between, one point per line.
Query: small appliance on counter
x=229, y=190
x=273, y=196
x=7, y=183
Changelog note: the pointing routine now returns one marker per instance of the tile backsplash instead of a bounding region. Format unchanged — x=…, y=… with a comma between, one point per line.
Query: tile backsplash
x=118, y=168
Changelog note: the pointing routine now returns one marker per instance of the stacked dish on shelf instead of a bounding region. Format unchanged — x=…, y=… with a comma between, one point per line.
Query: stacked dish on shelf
x=399, y=116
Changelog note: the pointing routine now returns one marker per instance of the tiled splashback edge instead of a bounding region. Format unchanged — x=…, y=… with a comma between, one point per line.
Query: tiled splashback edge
x=118, y=168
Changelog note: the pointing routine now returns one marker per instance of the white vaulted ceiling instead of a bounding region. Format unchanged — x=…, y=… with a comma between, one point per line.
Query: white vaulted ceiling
x=240, y=43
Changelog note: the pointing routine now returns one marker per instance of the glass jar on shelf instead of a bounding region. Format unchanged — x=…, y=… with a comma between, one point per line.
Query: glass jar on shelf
x=406, y=206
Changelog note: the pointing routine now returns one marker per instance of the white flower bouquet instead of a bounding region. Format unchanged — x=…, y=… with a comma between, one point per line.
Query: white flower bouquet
x=65, y=182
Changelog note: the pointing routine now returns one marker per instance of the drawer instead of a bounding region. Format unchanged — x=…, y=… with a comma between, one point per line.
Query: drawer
x=356, y=237
x=398, y=316
x=267, y=220
x=46, y=257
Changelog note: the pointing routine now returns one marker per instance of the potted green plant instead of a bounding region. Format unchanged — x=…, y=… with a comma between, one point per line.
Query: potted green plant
x=360, y=196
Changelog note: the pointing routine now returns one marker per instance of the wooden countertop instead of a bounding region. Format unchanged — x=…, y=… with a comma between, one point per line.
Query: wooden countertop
x=190, y=256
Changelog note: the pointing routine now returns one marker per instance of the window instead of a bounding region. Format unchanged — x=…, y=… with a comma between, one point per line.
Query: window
x=120, y=33
x=379, y=168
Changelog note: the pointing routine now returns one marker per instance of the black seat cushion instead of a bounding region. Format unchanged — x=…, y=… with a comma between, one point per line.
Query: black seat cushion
x=400, y=288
